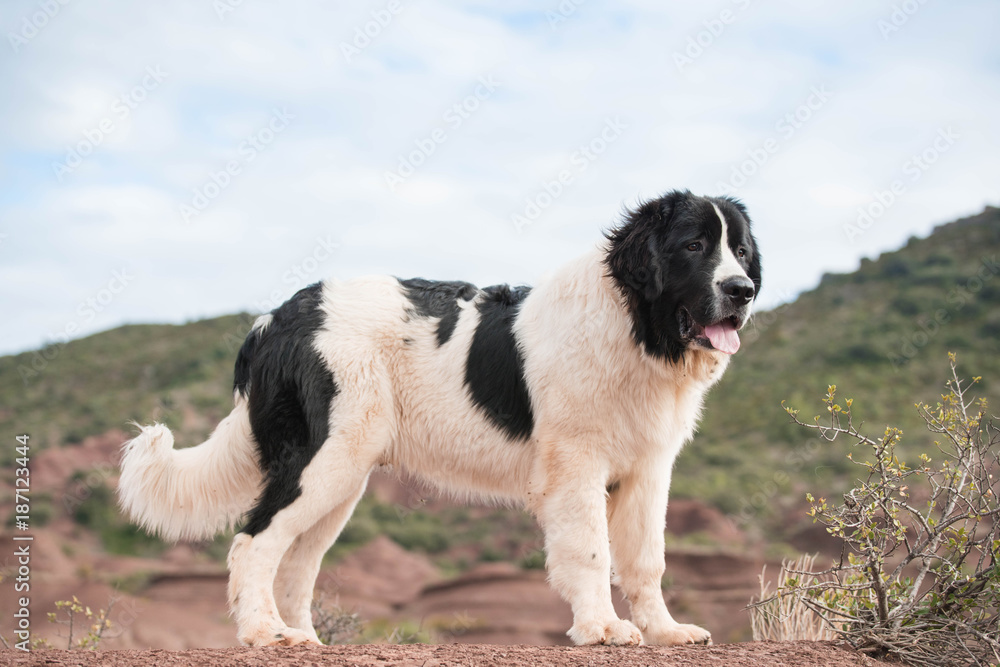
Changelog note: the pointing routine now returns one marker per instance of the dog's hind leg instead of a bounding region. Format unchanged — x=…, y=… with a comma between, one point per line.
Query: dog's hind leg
x=254, y=560
x=332, y=480
x=296, y=579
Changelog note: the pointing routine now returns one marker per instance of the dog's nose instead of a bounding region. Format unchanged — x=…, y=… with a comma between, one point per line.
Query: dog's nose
x=739, y=289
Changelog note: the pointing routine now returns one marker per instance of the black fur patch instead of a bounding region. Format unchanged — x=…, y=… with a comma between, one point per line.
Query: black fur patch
x=659, y=277
x=434, y=298
x=639, y=268
x=494, y=370
x=241, y=373
x=290, y=391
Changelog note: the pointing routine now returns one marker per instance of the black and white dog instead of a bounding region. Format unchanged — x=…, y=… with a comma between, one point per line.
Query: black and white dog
x=574, y=398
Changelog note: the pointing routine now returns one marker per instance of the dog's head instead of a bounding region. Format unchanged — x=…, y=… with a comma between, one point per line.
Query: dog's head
x=689, y=270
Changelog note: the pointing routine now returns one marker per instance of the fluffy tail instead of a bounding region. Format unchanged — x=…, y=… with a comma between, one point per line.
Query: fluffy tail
x=192, y=493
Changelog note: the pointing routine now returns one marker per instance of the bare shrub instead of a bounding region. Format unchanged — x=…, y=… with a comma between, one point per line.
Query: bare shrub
x=335, y=625
x=918, y=576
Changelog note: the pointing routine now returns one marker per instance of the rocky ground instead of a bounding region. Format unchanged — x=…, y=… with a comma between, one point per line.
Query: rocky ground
x=754, y=654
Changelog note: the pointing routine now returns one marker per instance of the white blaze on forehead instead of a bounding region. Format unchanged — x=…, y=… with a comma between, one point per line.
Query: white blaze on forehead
x=728, y=266
x=262, y=322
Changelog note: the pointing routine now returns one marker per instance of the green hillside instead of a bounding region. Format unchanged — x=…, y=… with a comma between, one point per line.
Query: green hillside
x=179, y=375
x=881, y=334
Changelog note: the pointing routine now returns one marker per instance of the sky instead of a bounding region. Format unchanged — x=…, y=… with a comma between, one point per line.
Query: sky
x=165, y=162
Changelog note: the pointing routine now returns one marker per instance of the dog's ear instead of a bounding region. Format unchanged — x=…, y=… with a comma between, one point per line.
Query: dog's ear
x=635, y=259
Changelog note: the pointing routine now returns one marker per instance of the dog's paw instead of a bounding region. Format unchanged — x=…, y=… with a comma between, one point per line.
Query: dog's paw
x=615, y=633
x=294, y=636
x=280, y=637
x=677, y=634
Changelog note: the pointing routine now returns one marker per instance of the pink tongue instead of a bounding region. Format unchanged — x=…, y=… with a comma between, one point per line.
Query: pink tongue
x=723, y=337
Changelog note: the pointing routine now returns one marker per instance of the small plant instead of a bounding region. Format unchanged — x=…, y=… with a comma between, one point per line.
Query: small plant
x=81, y=619
x=407, y=632
x=99, y=514
x=919, y=574
x=448, y=628
x=386, y=631
x=334, y=624
x=784, y=617
x=491, y=555
x=533, y=560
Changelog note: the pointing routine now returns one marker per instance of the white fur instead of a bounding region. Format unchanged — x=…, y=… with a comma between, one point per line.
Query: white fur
x=729, y=266
x=262, y=322
x=191, y=493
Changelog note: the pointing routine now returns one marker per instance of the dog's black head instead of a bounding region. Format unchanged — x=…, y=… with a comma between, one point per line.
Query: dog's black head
x=689, y=270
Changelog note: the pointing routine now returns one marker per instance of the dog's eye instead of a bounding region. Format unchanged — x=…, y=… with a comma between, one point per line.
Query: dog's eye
x=742, y=252
x=694, y=247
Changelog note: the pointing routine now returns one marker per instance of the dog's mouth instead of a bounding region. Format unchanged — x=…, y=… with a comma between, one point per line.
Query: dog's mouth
x=721, y=335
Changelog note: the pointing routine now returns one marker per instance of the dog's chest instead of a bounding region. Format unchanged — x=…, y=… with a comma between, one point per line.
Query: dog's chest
x=661, y=416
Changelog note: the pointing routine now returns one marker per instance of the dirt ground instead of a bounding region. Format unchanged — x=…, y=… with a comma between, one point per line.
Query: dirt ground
x=753, y=654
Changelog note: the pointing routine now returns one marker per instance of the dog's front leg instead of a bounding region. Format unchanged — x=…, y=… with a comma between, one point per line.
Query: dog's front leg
x=572, y=508
x=636, y=517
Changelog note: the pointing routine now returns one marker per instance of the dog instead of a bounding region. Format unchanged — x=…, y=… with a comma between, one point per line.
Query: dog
x=573, y=397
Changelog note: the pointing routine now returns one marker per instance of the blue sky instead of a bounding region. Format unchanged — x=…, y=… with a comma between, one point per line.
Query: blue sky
x=173, y=161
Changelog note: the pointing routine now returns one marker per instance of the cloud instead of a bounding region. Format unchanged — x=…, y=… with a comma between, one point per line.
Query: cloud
x=561, y=75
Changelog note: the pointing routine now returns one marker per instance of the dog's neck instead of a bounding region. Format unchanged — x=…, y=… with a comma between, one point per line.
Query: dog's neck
x=705, y=367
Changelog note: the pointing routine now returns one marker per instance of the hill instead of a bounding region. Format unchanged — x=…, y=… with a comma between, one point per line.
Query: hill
x=881, y=334
x=178, y=375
